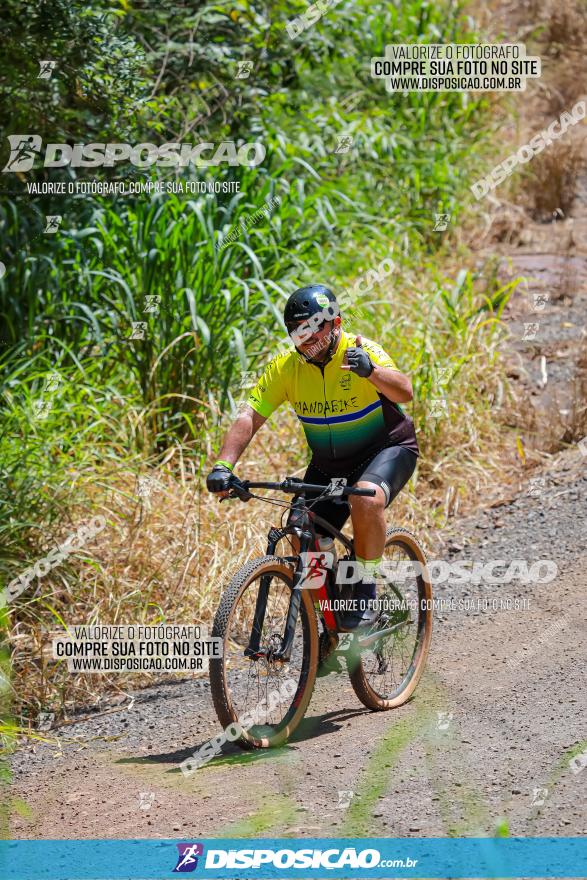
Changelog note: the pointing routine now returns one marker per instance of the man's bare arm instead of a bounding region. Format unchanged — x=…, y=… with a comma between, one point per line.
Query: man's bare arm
x=390, y=382
x=240, y=434
x=394, y=385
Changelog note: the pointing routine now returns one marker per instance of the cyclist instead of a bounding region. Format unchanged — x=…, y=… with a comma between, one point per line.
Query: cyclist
x=346, y=391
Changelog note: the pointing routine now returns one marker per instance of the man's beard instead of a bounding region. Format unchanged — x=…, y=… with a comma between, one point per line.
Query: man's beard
x=326, y=345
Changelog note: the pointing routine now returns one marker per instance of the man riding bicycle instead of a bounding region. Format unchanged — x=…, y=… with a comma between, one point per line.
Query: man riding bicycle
x=346, y=392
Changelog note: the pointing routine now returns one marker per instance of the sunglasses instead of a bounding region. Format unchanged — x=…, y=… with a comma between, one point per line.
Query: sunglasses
x=309, y=332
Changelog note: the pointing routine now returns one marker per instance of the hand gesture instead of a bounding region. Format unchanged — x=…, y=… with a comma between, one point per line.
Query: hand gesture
x=357, y=360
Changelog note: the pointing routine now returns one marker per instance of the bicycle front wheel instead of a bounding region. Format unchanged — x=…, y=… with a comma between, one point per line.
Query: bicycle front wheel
x=386, y=672
x=265, y=698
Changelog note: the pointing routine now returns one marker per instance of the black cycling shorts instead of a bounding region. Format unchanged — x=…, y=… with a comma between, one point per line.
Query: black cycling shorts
x=391, y=469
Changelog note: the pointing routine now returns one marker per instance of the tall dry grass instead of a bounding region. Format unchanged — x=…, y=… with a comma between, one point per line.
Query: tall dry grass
x=169, y=548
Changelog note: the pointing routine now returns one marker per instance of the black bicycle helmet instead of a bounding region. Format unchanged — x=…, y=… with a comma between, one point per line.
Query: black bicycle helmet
x=305, y=302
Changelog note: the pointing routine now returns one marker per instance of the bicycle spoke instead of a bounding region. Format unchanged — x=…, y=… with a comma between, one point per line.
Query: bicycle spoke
x=388, y=663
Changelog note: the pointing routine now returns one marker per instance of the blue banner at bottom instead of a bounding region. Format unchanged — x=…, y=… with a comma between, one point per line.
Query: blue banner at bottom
x=521, y=857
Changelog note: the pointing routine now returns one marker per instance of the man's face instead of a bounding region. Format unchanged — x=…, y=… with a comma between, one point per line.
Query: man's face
x=318, y=342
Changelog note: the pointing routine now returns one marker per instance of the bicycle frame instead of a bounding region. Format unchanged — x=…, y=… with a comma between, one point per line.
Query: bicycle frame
x=304, y=530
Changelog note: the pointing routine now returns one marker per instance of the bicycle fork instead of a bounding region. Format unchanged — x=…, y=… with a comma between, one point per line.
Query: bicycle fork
x=283, y=653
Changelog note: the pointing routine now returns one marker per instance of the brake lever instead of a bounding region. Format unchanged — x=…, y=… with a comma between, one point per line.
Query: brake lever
x=232, y=495
x=238, y=491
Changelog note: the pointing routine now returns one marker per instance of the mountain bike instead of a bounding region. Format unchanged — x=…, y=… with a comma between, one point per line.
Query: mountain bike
x=269, y=617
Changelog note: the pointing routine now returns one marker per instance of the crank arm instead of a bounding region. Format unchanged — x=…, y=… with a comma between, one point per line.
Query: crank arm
x=369, y=640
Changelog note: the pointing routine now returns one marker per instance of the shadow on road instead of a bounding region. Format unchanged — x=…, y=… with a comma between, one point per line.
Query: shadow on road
x=310, y=728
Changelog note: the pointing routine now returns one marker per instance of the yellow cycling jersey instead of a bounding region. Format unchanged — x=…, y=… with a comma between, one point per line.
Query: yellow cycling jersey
x=344, y=417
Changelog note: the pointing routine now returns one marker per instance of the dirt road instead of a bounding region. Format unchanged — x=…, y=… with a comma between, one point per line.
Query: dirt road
x=504, y=748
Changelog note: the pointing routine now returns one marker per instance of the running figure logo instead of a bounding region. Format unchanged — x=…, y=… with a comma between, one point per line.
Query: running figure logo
x=52, y=222
x=336, y=486
x=539, y=797
x=441, y=222
x=46, y=69
x=23, y=148
x=152, y=303
x=244, y=69
x=187, y=860
x=315, y=568
x=345, y=142
x=138, y=330
x=539, y=301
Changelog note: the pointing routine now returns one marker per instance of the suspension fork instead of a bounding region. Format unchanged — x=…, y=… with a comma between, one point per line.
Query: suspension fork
x=253, y=649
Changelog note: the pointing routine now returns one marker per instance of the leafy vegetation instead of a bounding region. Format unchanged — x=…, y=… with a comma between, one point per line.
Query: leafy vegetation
x=359, y=174
x=95, y=80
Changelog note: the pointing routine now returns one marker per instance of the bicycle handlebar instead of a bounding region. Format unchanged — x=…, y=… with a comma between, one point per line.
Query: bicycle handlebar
x=295, y=486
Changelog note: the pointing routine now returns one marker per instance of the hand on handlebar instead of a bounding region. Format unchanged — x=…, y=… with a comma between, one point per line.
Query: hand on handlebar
x=218, y=480
x=221, y=481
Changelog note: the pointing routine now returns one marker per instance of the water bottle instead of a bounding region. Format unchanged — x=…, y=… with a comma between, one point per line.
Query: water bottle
x=326, y=545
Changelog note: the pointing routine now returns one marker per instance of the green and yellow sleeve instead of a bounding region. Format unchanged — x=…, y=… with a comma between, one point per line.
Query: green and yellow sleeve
x=378, y=355
x=270, y=390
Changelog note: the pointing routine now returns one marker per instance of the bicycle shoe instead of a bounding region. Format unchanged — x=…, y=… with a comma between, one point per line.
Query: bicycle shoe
x=365, y=614
x=363, y=617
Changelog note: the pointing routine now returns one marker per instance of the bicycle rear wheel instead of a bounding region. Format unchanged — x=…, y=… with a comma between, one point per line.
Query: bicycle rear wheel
x=385, y=674
x=273, y=694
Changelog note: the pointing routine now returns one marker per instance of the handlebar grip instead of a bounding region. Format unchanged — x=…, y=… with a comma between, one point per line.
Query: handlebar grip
x=368, y=493
x=238, y=489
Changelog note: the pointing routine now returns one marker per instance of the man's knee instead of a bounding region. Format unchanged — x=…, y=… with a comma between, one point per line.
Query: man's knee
x=371, y=504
